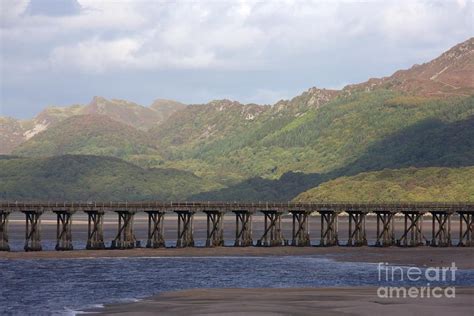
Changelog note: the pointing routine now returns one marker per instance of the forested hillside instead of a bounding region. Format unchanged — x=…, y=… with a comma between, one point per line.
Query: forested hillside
x=89, y=178
x=411, y=185
x=252, y=152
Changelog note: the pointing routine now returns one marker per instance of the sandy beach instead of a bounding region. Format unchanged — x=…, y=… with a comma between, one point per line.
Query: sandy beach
x=302, y=301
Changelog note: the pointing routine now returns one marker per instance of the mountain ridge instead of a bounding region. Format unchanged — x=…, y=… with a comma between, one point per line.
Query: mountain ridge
x=278, y=151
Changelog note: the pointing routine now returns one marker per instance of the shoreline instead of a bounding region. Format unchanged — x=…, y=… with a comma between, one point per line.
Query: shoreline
x=294, y=301
x=419, y=256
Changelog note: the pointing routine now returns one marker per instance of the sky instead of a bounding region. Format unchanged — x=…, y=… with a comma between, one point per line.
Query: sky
x=63, y=52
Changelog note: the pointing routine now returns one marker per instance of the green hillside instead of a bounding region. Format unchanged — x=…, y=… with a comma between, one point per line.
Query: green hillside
x=410, y=184
x=89, y=178
x=281, y=152
x=349, y=135
x=258, y=152
x=337, y=135
x=91, y=135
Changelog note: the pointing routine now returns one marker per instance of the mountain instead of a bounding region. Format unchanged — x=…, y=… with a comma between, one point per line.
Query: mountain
x=165, y=108
x=92, y=178
x=88, y=134
x=204, y=123
x=276, y=152
x=337, y=135
x=13, y=132
x=411, y=184
x=452, y=73
x=123, y=111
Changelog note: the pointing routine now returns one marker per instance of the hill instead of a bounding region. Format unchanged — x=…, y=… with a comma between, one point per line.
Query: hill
x=164, y=108
x=276, y=152
x=127, y=112
x=88, y=134
x=411, y=184
x=449, y=74
x=92, y=178
x=322, y=131
x=14, y=132
x=342, y=133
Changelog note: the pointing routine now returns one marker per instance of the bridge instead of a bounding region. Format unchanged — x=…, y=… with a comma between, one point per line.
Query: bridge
x=413, y=214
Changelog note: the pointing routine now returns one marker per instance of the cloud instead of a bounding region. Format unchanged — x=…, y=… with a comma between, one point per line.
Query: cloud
x=110, y=35
x=94, y=55
x=269, y=48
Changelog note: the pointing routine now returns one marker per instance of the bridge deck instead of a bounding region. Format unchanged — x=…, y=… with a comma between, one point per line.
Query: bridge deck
x=233, y=206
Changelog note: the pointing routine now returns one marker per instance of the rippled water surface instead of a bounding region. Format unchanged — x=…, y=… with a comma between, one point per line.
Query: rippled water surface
x=62, y=286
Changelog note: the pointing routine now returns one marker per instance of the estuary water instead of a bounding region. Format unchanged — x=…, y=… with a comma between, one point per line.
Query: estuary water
x=66, y=286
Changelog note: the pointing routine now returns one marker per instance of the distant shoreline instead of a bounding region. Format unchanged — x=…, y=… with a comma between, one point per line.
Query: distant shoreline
x=420, y=256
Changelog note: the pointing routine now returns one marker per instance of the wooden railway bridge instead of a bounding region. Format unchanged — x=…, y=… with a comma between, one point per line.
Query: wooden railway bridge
x=272, y=236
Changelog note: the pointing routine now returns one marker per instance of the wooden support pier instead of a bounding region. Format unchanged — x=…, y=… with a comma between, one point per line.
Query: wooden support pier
x=243, y=228
x=357, y=235
x=466, y=229
x=4, y=246
x=95, y=229
x=156, y=237
x=329, y=228
x=33, y=230
x=215, y=228
x=441, y=228
x=185, y=229
x=300, y=231
x=358, y=213
x=272, y=235
x=64, y=230
x=413, y=229
x=125, y=238
x=385, y=228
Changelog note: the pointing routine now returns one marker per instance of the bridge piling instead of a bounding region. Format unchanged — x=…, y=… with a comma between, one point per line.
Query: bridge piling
x=33, y=230
x=64, y=230
x=385, y=228
x=272, y=235
x=243, y=228
x=441, y=229
x=329, y=228
x=185, y=229
x=357, y=234
x=466, y=234
x=300, y=231
x=156, y=237
x=4, y=246
x=215, y=228
x=125, y=238
x=413, y=229
x=95, y=229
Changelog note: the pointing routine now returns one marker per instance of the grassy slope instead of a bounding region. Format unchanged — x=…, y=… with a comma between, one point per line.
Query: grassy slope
x=410, y=184
x=92, y=178
x=92, y=135
x=326, y=139
x=349, y=137
x=351, y=134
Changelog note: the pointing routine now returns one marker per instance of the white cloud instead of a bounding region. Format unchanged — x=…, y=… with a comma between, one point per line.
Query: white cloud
x=254, y=51
x=95, y=55
x=109, y=35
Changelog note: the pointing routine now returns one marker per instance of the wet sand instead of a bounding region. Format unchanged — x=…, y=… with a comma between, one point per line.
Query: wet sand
x=302, y=301
x=420, y=256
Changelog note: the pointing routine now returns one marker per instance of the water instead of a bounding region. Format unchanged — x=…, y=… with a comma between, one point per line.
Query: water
x=61, y=286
